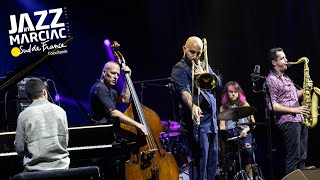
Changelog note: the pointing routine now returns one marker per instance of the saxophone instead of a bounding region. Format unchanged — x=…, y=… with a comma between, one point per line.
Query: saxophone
x=310, y=101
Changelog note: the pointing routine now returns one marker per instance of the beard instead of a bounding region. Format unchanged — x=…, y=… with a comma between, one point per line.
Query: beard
x=282, y=67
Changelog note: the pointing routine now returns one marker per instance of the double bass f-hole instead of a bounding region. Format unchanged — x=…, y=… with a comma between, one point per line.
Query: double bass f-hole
x=148, y=160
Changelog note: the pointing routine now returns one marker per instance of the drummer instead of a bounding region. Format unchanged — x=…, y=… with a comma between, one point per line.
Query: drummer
x=233, y=96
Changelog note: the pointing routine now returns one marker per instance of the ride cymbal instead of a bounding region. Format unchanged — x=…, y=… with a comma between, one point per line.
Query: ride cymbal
x=236, y=113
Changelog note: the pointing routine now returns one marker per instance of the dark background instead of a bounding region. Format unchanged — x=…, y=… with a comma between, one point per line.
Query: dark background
x=152, y=33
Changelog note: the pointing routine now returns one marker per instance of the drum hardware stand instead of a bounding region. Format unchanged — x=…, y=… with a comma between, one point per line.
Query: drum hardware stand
x=242, y=173
x=256, y=171
x=221, y=161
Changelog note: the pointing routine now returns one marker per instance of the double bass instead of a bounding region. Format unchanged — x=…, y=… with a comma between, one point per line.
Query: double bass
x=148, y=159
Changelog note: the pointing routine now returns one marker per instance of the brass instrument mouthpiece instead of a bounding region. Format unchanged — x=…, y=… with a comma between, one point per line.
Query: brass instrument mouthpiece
x=290, y=64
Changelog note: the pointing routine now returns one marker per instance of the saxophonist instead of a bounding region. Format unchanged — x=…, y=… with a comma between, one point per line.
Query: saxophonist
x=288, y=112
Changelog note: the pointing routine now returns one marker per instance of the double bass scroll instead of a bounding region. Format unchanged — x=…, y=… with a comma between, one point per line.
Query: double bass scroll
x=148, y=159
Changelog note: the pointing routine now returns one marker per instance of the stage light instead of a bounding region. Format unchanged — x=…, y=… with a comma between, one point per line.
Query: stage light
x=57, y=98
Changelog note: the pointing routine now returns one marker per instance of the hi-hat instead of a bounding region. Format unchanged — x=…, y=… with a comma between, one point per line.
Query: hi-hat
x=236, y=113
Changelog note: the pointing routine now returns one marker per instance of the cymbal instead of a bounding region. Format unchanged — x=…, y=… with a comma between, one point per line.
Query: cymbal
x=236, y=113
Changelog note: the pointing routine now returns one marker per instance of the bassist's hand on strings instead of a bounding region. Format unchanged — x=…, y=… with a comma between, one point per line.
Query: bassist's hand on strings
x=142, y=128
x=126, y=69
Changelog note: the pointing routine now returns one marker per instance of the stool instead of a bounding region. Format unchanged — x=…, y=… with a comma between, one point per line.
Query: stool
x=80, y=173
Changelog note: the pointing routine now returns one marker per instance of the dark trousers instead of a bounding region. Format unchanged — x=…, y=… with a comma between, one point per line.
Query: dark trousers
x=203, y=152
x=295, y=136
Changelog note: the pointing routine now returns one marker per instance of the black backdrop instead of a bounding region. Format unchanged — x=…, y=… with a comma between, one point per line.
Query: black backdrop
x=152, y=33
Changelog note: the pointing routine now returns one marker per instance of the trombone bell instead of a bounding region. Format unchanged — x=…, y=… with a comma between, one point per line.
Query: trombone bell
x=206, y=81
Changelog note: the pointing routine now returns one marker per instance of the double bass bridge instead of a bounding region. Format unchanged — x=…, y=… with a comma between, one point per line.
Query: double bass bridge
x=146, y=157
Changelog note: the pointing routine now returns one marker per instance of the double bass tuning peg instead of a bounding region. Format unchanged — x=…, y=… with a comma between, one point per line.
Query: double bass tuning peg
x=115, y=45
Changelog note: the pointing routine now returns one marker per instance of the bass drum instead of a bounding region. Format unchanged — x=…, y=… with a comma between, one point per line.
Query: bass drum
x=172, y=142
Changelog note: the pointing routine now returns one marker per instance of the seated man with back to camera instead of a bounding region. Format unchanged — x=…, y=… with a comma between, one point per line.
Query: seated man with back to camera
x=42, y=131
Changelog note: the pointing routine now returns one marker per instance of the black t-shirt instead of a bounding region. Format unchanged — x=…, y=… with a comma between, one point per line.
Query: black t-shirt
x=102, y=100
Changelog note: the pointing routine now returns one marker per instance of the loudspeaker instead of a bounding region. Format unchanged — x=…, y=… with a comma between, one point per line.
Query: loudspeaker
x=309, y=174
x=184, y=175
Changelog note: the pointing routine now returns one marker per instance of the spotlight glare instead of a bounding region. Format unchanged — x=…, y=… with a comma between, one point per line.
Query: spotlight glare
x=57, y=98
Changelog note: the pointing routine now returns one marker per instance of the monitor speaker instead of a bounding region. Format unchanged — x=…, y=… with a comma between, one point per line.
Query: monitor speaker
x=309, y=174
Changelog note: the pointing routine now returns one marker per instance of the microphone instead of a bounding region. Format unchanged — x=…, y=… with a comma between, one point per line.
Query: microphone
x=256, y=73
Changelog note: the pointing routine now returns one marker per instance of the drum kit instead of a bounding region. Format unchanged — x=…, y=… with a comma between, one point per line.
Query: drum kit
x=171, y=141
x=229, y=165
x=231, y=160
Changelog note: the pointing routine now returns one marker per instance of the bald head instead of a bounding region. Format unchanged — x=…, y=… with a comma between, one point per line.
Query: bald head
x=193, y=48
x=193, y=41
x=110, y=65
x=110, y=73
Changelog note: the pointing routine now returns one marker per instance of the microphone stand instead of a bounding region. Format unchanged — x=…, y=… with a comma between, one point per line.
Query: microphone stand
x=152, y=80
x=142, y=84
x=267, y=117
x=145, y=83
x=267, y=97
x=170, y=86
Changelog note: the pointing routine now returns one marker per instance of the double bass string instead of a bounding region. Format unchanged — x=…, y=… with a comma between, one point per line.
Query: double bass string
x=152, y=164
x=150, y=141
x=149, y=138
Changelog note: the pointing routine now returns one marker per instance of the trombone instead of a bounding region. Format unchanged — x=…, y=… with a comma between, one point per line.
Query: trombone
x=205, y=80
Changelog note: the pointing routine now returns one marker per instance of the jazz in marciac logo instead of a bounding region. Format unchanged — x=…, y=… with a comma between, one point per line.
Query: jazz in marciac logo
x=26, y=36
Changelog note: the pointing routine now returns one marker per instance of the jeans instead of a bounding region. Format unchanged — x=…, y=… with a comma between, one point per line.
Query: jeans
x=203, y=153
